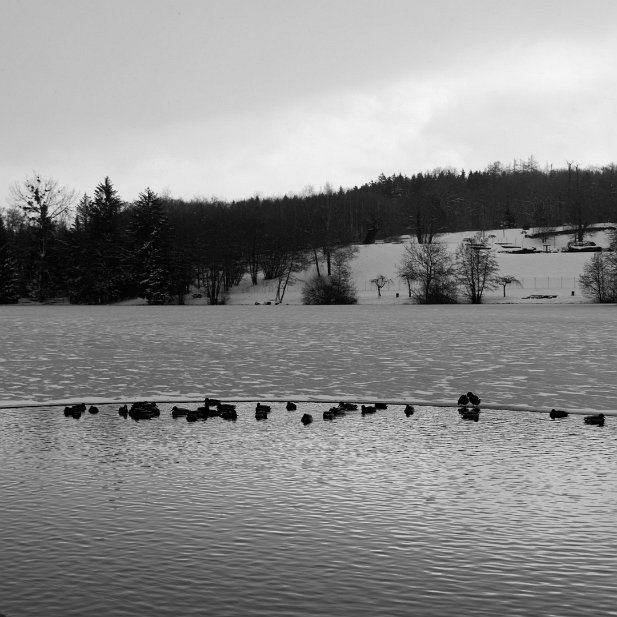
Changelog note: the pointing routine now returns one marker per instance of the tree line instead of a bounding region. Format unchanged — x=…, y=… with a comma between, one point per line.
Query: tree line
x=99, y=249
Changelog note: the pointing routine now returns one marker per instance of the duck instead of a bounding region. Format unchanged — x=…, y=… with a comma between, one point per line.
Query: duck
x=472, y=414
x=144, y=409
x=224, y=407
x=229, y=415
x=368, y=409
x=143, y=414
x=261, y=407
x=306, y=419
x=337, y=411
x=261, y=415
x=290, y=406
x=597, y=419
x=348, y=406
x=211, y=402
x=73, y=411
x=179, y=411
x=473, y=399
x=123, y=411
x=93, y=409
x=381, y=406
x=210, y=412
x=409, y=410
x=556, y=413
x=328, y=415
x=463, y=400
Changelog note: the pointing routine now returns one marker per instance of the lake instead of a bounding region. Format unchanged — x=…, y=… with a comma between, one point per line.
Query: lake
x=363, y=515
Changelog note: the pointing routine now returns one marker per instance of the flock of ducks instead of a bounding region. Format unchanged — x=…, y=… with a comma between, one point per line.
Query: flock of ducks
x=468, y=408
x=597, y=419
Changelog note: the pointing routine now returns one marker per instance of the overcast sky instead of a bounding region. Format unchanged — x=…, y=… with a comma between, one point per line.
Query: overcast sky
x=232, y=98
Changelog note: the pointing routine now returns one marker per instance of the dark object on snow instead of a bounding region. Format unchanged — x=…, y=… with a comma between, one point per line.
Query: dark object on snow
x=93, y=409
x=371, y=234
x=556, y=413
x=369, y=409
x=291, y=406
x=261, y=407
x=306, y=419
x=348, y=406
x=381, y=406
x=463, y=400
x=409, y=410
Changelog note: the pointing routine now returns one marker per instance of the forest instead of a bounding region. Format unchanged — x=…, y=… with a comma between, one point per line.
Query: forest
x=100, y=249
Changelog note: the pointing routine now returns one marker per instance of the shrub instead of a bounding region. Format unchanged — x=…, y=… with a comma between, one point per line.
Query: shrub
x=335, y=289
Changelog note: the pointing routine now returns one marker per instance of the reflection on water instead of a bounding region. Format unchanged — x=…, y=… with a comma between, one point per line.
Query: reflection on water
x=379, y=515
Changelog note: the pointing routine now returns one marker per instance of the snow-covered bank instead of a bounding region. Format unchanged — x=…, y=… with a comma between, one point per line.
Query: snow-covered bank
x=549, y=271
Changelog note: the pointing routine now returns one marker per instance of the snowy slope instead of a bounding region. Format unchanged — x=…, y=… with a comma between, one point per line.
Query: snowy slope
x=543, y=273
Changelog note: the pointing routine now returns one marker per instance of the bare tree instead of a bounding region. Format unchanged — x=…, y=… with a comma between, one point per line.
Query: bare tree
x=476, y=271
x=430, y=267
x=380, y=281
x=44, y=202
x=296, y=262
x=599, y=278
x=507, y=279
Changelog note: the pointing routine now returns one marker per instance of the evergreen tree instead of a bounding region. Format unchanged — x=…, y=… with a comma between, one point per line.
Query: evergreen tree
x=82, y=283
x=9, y=279
x=100, y=270
x=151, y=250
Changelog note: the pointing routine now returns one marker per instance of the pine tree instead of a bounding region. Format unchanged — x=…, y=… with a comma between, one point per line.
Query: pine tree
x=100, y=266
x=151, y=250
x=9, y=278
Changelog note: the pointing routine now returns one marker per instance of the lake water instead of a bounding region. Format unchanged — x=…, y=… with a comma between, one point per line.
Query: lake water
x=365, y=515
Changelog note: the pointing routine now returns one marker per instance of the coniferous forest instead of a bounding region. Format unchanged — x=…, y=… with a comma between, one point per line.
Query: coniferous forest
x=99, y=248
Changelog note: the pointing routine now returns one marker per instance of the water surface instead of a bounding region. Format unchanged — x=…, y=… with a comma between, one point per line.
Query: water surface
x=373, y=515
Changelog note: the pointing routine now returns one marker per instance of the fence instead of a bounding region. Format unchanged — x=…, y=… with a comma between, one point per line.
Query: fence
x=526, y=282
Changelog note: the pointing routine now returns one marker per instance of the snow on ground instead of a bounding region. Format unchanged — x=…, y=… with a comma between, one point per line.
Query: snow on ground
x=544, y=273
x=515, y=357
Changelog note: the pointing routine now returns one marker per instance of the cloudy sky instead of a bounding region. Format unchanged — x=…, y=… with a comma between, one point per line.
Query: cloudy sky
x=232, y=98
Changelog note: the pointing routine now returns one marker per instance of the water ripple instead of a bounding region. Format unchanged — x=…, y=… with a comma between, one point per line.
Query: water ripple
x=381, y=515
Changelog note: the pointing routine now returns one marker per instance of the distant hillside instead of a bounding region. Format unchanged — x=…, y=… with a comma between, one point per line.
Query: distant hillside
x=549, y=271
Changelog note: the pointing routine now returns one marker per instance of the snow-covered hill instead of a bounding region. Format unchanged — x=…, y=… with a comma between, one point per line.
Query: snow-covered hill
x=548, y=271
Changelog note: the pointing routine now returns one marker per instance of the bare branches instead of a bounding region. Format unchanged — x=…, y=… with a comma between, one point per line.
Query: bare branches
x=42, y=200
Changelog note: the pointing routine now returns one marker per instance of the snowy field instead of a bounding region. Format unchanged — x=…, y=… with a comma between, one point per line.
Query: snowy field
x=515, y=357
x=552, y=273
